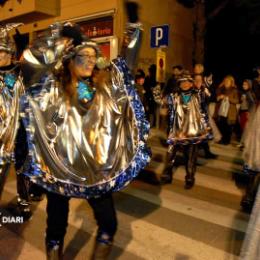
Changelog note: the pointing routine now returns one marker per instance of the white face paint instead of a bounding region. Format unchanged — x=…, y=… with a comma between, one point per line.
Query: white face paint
x=5, y=58
x=84, y=62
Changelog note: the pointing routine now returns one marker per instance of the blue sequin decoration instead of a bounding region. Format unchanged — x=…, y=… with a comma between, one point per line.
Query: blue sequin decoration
x=186, y=98
x=9, y=80
x=84, y=91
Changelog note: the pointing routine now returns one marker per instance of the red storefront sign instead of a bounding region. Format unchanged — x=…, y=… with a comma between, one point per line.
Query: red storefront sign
x=101, y=27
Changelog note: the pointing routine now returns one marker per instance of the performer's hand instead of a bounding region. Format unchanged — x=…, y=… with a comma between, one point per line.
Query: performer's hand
x=132, y=11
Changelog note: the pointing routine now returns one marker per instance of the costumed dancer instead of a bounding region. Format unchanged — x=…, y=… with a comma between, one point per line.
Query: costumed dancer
x=86, y=127
x=188, y=128
x=251, y=157
x=12, y=132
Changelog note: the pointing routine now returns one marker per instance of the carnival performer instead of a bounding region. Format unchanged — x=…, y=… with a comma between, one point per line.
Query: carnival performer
x=12, y=132
x=188, y=128
x=86, y=127
x=251, y=155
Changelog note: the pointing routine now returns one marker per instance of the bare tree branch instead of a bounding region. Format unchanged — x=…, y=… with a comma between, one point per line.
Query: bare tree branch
x=218, y=9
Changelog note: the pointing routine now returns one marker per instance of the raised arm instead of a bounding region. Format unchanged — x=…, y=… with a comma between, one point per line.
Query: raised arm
x=132, y=35
x=43, y=56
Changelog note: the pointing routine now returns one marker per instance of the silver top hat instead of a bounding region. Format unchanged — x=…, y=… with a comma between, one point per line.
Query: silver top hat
x=185, y=76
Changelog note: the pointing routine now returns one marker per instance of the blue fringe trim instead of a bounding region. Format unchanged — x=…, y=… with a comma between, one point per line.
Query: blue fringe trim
x=192, y=140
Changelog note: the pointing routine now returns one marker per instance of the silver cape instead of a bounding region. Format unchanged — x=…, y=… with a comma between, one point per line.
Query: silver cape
x=9, y=116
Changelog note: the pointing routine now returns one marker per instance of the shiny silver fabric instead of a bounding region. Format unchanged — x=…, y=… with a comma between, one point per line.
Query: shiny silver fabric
x=131, y=43
x=74, y=144
x=188, y=120
x=84, y=147
x=6, y=43
x=9, y=117
x=9, y=124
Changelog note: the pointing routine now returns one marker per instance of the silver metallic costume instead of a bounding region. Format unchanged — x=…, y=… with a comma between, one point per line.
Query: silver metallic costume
x=11, y=88
x=78, y=151
x=188, y=122
x=188, y=127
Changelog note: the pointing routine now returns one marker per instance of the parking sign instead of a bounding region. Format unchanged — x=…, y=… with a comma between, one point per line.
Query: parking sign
x=160, y=36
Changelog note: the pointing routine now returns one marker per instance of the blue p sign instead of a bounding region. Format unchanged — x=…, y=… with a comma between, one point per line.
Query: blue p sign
x=159, y=36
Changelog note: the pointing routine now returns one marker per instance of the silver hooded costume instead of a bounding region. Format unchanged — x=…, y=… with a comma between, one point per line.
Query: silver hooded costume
x=11, y=88
x=188, y=122
x=82, y=152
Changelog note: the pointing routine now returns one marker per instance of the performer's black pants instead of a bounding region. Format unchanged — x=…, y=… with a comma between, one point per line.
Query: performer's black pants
x=4, y=169
x=20, y=152
x=190, y=153
x=58, y=211
x=24, y=187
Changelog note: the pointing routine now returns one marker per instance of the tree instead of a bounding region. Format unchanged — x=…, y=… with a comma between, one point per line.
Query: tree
x=187, y=3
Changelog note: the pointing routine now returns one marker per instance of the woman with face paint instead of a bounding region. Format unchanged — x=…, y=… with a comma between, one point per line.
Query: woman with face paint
x=86, y=127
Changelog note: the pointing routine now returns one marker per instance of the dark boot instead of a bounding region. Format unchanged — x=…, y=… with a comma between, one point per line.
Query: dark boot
x=207, y=152
x=102, y=247
x=210, y=155
x=23, y=209
x=23, y=204
x=166, y=176
x=248, y=199
x=189, y=181
x=190, y=154
x=54, y=250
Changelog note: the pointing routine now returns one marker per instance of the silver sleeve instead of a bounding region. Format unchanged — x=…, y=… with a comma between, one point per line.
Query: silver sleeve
x=131, y=43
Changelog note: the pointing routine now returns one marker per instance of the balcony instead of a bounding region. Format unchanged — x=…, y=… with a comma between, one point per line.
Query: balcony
x=28, y=11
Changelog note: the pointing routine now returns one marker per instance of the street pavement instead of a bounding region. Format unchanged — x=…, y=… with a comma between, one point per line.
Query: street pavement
x=155, y=222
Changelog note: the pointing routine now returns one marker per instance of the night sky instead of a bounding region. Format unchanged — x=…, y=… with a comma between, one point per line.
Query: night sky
x=232, y=38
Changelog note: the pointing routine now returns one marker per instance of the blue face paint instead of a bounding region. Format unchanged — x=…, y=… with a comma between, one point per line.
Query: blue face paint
x=79, y=61
x=84, y=59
